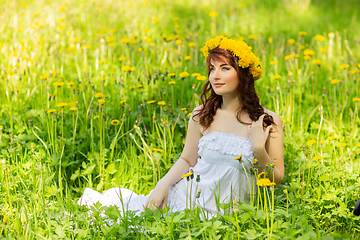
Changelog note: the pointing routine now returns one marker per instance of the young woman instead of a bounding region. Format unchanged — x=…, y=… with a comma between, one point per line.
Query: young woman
x=229, y=123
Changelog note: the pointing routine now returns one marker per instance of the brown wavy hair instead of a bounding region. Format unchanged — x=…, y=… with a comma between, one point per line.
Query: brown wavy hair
x=246, y=92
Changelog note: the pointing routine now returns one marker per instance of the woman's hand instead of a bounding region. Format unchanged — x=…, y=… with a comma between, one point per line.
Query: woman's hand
x=158, y=196
x=257, y=135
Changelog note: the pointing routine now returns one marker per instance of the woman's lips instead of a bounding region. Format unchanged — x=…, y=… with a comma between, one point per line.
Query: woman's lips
x=219, y=84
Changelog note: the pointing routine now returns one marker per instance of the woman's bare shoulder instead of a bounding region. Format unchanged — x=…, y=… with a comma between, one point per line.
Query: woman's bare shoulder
x=276, y=117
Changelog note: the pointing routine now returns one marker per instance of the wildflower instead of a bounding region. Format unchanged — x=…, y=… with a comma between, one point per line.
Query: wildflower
x=187, y=57
x=161, y=103
x=184, y=74
x=320, y=38
x=311, y=142
x=334, y=81
x=122, y=58
x=356, y=99
x=1, y=127
x=176, y=19
x=171, y=74
x=273, y=62
x=17, y=89
x=73, y=108
x=122, y=101
x=358, y=144
x=101, y=101
x=316, y=61
x=51, y=111
x=212, y=14
x=192, y=44
x=309, y=52
x=198, y=193
x=110, y=39
x=195, y=74
x=285, y=191
x=290, y=41
x=96, y=116
x=262, y=182
x=172, y=82
x=270, y=39
x=5, y=219
x=251, y=36
x=99, y=95
x=342, y=144
x=344, y=66
x=332, y=138
x=307, y=57
x=276, y=76
x=201, y=78
x=234, y=202
x=251, y=168
x=187, y=175
x=151, y=101
x=288, y=57
x=255, y=161
x=58, y=84
x=182, y=109
x=62, y=105
x=115, y=122
x=125, y=40
x=238, y=158
x=302, y=33
x=102, y=61
x=317, y=158
x=262, y=173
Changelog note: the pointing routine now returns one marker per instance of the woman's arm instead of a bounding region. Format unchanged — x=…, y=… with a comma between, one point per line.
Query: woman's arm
x=187, y=159
x=273, y=149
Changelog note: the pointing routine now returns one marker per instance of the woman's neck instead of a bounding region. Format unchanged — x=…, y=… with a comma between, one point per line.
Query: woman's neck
x=230, y=104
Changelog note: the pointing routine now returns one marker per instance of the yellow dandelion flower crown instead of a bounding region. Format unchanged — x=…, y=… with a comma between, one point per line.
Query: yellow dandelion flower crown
x=246, y=58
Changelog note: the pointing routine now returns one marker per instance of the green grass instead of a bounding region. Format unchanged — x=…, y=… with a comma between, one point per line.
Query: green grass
x=49, y=158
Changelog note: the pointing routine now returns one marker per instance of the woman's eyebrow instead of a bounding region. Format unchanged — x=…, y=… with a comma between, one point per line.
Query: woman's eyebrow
x=223, y=64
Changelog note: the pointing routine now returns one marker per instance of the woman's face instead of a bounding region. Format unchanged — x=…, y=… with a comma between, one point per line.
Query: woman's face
x=223, y=78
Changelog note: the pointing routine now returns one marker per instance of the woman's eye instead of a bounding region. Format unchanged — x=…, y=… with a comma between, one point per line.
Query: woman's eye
x=226, y=68
x=211, y=69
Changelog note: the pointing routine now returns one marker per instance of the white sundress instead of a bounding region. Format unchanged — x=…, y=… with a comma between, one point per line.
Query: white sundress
x=221, y=178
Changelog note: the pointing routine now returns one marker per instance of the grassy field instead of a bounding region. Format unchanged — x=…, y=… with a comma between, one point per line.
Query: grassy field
x=98, y=94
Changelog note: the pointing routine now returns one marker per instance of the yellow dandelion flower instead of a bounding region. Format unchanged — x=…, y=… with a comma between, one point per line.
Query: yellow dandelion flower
x=73, y=108
x=307, y=57
x=125, y=40
x=110, y=39
x=354, y=71
x=171, y=74
x=262, y=182
x=358, y=144
x=309, y=52
x=161, y=103
x=102, y=61
x=273, y=62
x=288, y=57
x=172, y=82
x=251, y=36
x=276, y=76
x=99, y=95
x=5, y=217
x=122, y=58
x=17, y=89
x=201, y=78
x=101, y=101
x=192, y=44
x=302, y=33
x=151, y=101
x=291, y=41
x=51, y=111
x=195, y=74
x=318, y=157
x=310, y=142
x=356, y=99
x=184, y=74
x=178, y=42
x=158, y=150
x=316, y=61
x=115, y=122
x=285, y=191
x=334, y=81
x=182, y=109
x=238, y=158
x=344, y=66
x=342, y=144
x=320, y=38
x=332, y=138
x=270, y=39
x=212, y=14
x=62, y=104
x=96, y=116
x=187, y=57
x=255, y=161
x=176, y=19
x=122, y=101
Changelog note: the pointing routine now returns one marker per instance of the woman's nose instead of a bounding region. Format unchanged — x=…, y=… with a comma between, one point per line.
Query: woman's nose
x=216, y=74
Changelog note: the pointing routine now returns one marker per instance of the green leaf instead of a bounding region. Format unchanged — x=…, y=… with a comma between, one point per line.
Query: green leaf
x=111, y=168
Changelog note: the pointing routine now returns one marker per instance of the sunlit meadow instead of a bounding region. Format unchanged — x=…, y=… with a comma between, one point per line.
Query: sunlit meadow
x=98, y=94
